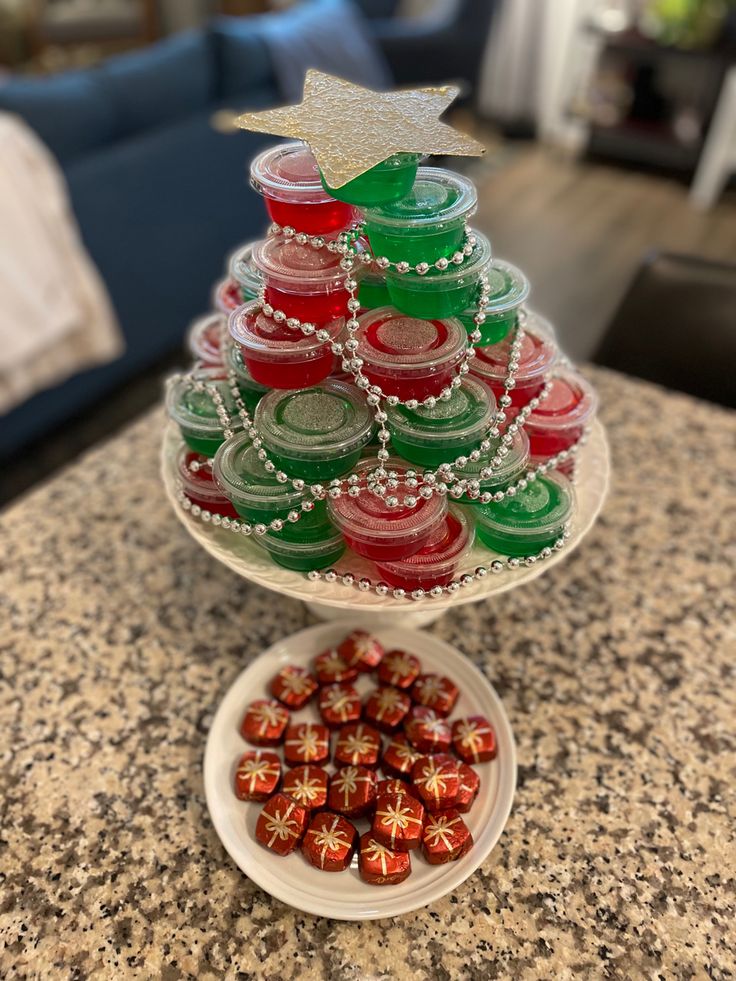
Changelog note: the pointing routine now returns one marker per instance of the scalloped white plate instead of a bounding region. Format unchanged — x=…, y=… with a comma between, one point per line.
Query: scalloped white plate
x=344, y=895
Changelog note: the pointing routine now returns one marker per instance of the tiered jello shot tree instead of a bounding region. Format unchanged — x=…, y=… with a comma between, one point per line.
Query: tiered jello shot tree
x=371, y=382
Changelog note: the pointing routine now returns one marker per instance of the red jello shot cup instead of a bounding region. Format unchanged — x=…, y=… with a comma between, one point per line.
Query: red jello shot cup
x=559, y=420
x=537, y=354
x=381, y=533
x=288, y=177
x=303, y=282
x=435, y=563
x=226, y=296
x=407, y=357
x=198, y=484
x=205, y=339
x=277, y=356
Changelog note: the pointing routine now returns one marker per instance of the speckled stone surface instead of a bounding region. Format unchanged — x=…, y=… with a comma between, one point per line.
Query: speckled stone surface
x=119, y=637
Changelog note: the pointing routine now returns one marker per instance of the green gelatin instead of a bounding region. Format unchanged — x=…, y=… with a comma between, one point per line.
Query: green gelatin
x=513, y=466
x=315, y=471
x=493, y=330
x=373, y=292
x=524, y=524
x=388, y=181
x=310, y=543
x=202, y=444
x=197, y=417
x=508, y=287
x=251, y=391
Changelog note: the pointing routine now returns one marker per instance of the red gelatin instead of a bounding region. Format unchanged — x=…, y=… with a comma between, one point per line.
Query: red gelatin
x=434, y=564
x=361, y=650
x=399, y=669
x=281, y=824
x=330, y=842
x=379, y=865
x=226, y=296
x=398, y=821
x=314, y=219
x=468, y=787
x=338, y=704
x=446, y=838
x=257, y=775
x=352, y=791
x=307, y=785
x=473, y=739
x=199, y=485
x=358, y=745
x=436, y=781
x=330, y=667
x=264, y=723
x=301, y=281
x=427, y=730
x=560, y=419
x=436, y=692
x=386, y=708
x=536, y=357
x=293, y=686
x=205, y=339
x=400, y=756
x=307, y=742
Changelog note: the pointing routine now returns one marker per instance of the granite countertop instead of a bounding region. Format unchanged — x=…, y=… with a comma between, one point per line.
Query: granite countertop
x=120, y=635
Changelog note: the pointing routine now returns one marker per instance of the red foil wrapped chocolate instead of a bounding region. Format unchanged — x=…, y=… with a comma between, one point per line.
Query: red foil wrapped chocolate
x=387, y=708
x=330, y=667
x=307, y=742
x=380, y=865
x=399, y=757
x=392, y=785
x=427, y=731
x=468, y=787
x=264, y=723
x=339, y=704
x=398, y=821
x=446, y=837
x=357, y=745
x=307, y=785
x=293, y=686
x=257, y=775
x=399, y=669
x=281, y=824
x=330, y=842
x=436, y=780
x=361, y=650
x=352, y=791
x=473, y=739
x=436, y=692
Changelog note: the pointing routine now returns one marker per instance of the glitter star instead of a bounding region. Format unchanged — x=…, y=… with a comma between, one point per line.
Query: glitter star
x=351, y=129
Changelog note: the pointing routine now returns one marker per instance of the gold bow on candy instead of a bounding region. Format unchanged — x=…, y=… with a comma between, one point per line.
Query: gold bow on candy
x=397, y=818
x=387, y=699
x=307, y=743
x=295, y=682
x=330, y=839
x=338, y=700
x=306, y=789
x=356, y=744
x=430, y=687
x=374, y=849
x=438, y=829
x=347, y=780
x=281, y=826
x=256, y=769
x=433, y=779
x=471, y=736
x=399, y=665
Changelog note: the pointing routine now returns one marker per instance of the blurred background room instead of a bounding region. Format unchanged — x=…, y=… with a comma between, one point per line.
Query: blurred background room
x=610, y=128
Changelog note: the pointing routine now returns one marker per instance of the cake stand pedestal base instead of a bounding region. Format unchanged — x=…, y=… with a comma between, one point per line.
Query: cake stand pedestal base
x=388, y=618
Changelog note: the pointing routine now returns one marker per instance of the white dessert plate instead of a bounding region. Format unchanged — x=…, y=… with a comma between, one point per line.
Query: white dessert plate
x=344, y=895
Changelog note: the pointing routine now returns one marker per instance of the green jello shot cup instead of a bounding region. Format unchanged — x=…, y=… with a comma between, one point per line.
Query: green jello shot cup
x=431, y=436
x=426, y=224
x=513, y=466
x=315, y=433
x=387, y=181
x=313, y=542
x=251, y=391
x=440, y=293
x=253, y=491
x=509, y=288
x=195, y=412
x=524, y=524
x=372, y=290
x=244, y=272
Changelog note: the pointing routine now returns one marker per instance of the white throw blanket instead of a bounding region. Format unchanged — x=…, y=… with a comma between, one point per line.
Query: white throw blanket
x=55, y=315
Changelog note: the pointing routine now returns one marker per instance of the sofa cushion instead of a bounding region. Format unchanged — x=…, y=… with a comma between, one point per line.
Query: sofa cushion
x=162, y=83
x=68, y=111
x=244, y=64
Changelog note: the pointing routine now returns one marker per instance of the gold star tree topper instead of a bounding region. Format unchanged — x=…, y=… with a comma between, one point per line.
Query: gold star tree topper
x=350, y=129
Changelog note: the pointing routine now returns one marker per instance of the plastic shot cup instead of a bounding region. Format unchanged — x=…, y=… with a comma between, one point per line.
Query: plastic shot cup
x=559, y=420
x=315, y=433
x=195, y=412
x=244, y=272
x=197, y=483
x=251, y=391
x=313, y=542
x=537, y=354
x=528, y=522
x=303, y=282
x=513, y=466
x=226, y=296
x=205, y=339
x=437, y=562
x=508, y=288
x=387, y=181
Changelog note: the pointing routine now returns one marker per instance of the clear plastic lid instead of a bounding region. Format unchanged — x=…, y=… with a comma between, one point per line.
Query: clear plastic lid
x=205, y=338
x=195, y=410
x=256, y=332
x=447, y=543
x=197, y=482
x=513, y=465
x=226, y=295
x=543, y=507
x=321, y=423
x=288, y=172
x=452, y=277
x=390, y=339
x=508, y=287
x=244, y=271
x=234, y=362
x=312, y=534
x=366, y=517
x=465, y=414
x=298, y=268
x=243, y=477
x=571, y=402
x=437, y=197
x=537, y=354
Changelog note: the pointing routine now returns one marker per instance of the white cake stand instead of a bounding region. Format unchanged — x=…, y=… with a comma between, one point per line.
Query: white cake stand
x=331, y=600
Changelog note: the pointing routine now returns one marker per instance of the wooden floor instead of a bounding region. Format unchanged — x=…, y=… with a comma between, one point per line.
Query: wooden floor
x=579, y=230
